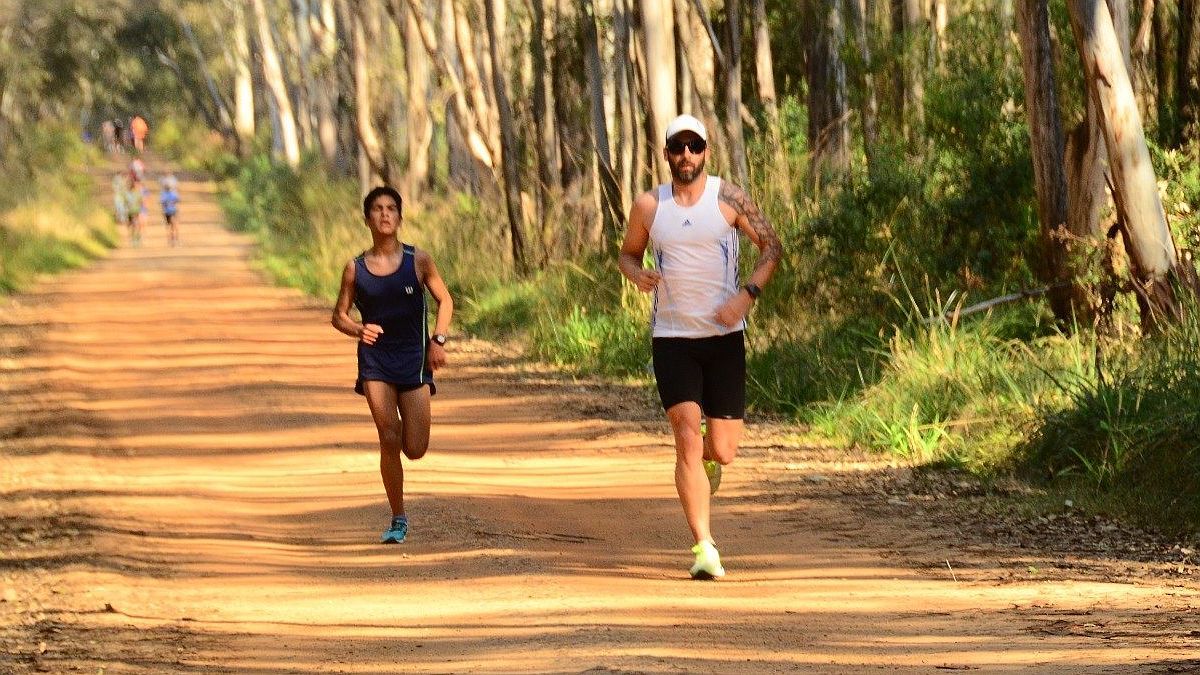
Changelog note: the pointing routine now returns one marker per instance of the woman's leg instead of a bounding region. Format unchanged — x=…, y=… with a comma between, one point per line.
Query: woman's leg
x=383, y=399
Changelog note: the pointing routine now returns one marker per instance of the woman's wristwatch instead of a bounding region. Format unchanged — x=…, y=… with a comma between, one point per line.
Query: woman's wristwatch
x=753, y=291
x=439, y=338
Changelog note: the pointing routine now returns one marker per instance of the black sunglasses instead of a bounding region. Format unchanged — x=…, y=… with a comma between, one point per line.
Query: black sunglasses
x=696, y=145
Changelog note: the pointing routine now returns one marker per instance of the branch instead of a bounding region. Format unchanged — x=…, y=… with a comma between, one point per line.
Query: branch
x=712, y=35
x=988, y=304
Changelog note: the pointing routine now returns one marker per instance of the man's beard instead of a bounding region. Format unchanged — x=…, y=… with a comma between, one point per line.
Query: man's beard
x=691, y=174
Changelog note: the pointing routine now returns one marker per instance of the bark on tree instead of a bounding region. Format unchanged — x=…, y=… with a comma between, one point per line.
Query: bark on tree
x=273, y=74
x=295, y=38
x=1187, y=68
x=659, y=37
x=733, y=92
x=699, y=53
x=221, y=106
x=509, y=160
x=868, y=103
x=1154, y=260
x=940, y=16
x=1047, y=145
x=547, y=155
x=909, y=78
x=628, y=140
x=323, y=27
x=464, y=115
x=420, y=123
x=611, y=207
x=1144, y=83
x=828, y=123
x=374, y=165
x=473, y=80
x=764, y=71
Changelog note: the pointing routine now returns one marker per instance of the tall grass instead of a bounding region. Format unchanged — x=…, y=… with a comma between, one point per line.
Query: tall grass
x=51, y=217
x=957, y=393
x=1132, y=436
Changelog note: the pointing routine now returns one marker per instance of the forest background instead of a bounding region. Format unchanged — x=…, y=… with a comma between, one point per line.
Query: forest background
x=987, y=206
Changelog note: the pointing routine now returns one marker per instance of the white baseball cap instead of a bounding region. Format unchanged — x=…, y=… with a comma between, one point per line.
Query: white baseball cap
x=686, y=123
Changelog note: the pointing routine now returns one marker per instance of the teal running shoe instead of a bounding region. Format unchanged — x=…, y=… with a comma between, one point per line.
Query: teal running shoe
x=712, y=469
x=708, y=562
x=397, y=532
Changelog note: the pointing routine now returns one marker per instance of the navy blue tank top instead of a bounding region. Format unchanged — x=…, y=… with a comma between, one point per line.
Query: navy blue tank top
x=396, y=302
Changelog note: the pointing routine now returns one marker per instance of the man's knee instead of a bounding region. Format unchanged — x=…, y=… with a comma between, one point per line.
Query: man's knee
x=724, y=450
x=416, y=450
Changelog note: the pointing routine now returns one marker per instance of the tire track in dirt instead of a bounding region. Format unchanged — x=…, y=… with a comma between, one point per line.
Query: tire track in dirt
x=189, y=485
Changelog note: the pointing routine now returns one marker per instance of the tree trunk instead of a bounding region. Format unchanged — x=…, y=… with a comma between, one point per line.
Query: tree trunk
x=1047, y=151
x=243, y=81
x=543, y=123
x=467, y=120
x=420, y=123
x=1187, y=68
x=940, y=16
x=324, y=36
x=273, y=73
x=659, y=37
x=736, y=139
x=296, y=37
x=214, y=93
x=1153, y=258
x=914, y=74
x=700, y=56
x=628, y=141
x=828, y=128
x=509, y=161
x=765, y=73
x=868, y=104
x=611, y=207
x=472, y=79
x=373, y=159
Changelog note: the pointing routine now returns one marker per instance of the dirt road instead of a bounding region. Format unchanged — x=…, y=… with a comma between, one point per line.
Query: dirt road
x=188, y=484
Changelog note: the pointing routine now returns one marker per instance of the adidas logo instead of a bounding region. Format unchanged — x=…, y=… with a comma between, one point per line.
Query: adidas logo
x=687, y=223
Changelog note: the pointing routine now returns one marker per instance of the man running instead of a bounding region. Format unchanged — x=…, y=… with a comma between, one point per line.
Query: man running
x=699, y=315
x=396, y=355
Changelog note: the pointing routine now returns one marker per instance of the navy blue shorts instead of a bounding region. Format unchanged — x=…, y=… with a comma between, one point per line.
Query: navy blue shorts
x=406, y=368
x=710, y=371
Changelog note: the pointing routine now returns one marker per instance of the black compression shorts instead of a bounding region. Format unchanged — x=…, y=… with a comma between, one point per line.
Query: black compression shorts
x=710, y=371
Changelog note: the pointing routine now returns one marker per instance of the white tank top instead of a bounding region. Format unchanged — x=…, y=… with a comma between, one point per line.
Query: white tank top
x=696, y=251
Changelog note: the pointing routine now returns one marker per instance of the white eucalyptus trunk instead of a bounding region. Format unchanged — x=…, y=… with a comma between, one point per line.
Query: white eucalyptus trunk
x=273, y=74
x=1150, y=245
x=658, y=32
x=243, y=81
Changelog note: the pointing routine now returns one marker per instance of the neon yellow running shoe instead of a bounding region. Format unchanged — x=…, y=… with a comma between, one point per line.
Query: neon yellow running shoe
x=712, y=469
x=708, y=562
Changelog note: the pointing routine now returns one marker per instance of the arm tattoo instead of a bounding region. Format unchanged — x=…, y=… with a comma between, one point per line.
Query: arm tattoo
x=760, y=230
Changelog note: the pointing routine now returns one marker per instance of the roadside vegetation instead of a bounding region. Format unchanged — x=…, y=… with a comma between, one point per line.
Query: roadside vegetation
x=871, y=332
x=50, y=217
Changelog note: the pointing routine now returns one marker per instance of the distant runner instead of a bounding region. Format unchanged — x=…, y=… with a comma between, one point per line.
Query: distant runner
x=138, y=130
x=396, y=355
x=169, y=199
x=699, y=315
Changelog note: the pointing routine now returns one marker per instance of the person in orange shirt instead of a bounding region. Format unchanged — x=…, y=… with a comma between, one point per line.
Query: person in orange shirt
x=138, y=128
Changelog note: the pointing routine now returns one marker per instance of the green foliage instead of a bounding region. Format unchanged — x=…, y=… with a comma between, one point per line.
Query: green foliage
x=309, y=226
x=961, y=393
x=49, y=218
x=194, y=147
x=1132, y=435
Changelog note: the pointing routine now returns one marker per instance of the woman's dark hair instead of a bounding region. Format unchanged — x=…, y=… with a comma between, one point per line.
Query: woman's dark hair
x=375, y=193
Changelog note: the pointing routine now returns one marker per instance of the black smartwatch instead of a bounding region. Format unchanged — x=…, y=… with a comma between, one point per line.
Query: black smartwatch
x=753, y=291
x=439, y=338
